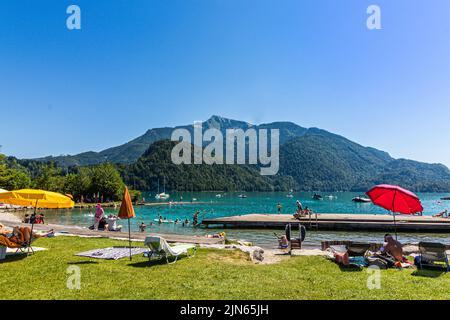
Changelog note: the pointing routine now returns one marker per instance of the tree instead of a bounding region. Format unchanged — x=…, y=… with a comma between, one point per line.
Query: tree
x=106, y=180
x=48, y=179
x=79, y=184
x=12, y=179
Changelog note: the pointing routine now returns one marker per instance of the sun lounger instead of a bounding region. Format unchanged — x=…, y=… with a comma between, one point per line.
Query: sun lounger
x=24, y=247
x=432, y=255
x=159, y=248
x=358, y=249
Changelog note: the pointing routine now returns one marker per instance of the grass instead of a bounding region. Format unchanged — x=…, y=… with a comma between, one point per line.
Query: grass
x=211, y=274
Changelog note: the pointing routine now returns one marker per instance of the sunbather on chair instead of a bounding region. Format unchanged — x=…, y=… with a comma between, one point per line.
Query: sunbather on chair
x=20, y=236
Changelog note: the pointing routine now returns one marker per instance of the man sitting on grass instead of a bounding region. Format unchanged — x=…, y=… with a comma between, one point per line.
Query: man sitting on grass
x=393, y=248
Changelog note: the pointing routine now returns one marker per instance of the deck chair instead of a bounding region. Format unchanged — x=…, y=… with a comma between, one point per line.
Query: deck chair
x=433, y=255
x=358, y=249
x=23, y=248
x=159, y=249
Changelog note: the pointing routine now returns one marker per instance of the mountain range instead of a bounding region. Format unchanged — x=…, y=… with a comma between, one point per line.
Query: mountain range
x=310, y=159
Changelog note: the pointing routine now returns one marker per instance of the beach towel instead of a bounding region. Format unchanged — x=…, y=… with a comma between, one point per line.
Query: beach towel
x=112, y=253
x=6, y=242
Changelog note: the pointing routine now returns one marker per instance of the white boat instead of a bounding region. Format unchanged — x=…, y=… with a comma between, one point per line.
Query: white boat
x=361, y=199
x=163, y=195
x=218, y=195
x=242, y=196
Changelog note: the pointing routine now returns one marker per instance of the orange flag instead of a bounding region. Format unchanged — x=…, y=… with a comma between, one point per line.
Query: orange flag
x=126, y=208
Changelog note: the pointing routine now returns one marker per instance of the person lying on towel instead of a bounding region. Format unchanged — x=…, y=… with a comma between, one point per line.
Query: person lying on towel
x=443, y=214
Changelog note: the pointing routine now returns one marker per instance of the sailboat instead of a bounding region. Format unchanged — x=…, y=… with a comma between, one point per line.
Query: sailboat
x=163, y=195
x=290, y=195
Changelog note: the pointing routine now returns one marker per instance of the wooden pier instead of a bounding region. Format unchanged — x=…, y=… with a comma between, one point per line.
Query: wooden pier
x=336, y=222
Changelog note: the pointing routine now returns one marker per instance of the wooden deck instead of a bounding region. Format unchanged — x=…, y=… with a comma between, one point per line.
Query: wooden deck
x=335, y=222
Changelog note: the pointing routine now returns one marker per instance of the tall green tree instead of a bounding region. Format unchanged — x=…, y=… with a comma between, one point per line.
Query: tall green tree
x=12, y=179
x=106, y=180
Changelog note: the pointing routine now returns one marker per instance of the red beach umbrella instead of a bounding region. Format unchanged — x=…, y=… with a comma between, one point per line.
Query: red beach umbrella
x=395, y=199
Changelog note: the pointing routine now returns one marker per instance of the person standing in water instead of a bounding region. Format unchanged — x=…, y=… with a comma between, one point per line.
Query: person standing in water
x=195, y=218
x=279, y=206
x=99, y=213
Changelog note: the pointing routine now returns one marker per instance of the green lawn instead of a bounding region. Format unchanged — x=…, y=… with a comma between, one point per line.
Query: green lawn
x=212, y=274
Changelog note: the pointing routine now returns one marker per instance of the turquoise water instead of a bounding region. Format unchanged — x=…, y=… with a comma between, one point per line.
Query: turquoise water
x=230, y=204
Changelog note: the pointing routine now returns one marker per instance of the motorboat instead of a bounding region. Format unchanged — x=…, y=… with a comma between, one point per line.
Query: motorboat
x=317, y=197
x=361, y=199
x=242, y=196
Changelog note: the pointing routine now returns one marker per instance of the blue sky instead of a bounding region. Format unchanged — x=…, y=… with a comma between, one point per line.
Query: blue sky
x=140, y=64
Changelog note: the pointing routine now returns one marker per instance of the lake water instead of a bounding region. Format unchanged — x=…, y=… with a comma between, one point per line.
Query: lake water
x=230, y=204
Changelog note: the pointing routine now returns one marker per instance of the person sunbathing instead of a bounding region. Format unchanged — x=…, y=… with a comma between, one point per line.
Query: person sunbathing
x=443, y=214
x=393, y=247
x=22, y=236
x=3, y=230
x=305, y=213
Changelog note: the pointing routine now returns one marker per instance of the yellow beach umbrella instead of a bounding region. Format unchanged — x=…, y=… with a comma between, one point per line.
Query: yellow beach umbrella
x=37, y=199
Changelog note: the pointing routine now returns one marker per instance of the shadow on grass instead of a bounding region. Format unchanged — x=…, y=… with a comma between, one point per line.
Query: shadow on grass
x=429, y=273
x=13, y=258
x=83, y=262
x=151, y=263
x=350, y=268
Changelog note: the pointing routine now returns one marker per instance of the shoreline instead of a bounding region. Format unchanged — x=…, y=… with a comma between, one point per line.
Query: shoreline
x=8, y=216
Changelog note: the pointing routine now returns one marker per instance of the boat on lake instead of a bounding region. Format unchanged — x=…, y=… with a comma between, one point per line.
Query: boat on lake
x=163, y=195
x=317, y=197
x=361, y=199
